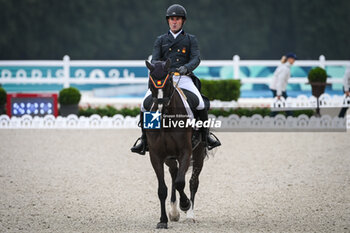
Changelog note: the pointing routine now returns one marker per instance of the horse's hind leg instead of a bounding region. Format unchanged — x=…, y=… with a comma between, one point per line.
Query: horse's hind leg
x=174, y=214
x=184, y=163
x=198, y=158
x=158, y=167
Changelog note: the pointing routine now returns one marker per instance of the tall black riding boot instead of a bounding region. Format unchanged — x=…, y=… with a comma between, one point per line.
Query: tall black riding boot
x=140, y=145
x=209, y=138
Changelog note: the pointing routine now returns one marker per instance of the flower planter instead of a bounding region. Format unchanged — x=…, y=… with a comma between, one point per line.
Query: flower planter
x=66, y=110
x=69, y=101
x=318, y=88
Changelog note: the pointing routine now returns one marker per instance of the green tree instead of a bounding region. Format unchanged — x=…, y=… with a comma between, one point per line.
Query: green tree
x=126, y=29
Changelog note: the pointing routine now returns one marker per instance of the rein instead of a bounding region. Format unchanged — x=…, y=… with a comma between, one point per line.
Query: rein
x=172, y=94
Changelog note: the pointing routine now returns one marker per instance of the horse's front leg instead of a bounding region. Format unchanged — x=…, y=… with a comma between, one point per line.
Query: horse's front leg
x=158, y=167
x=174, y=214
x=184, y=162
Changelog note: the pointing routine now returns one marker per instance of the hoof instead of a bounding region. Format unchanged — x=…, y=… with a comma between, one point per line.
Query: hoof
x=190, y=220
x=174, y=214
x=186, y=206
x=175, y=217
x=162, y=225
x=190, y=216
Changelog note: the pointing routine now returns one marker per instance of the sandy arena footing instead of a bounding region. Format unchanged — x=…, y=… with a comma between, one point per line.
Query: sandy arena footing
x=88, y=181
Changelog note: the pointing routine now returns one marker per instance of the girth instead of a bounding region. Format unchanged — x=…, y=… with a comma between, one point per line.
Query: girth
x=164, y=100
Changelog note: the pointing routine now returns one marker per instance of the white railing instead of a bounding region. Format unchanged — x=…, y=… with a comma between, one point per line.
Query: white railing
x=62, y=75
x=232, y=123
x=69, y=72
x=300, y=102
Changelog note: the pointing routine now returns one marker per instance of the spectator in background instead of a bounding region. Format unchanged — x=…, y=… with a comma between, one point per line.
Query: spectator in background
x=280, y=78
x=346, y=82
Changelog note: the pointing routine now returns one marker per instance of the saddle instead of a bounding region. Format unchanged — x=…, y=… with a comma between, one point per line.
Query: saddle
x=193, y=102
x=190, y=97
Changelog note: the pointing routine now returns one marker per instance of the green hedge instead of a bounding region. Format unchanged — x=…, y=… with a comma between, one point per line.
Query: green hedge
x=240, y=112
x=225, y=90
x=317, y=74
x=111, y=111
x=2, y=96
x=248, y=112
x=308, y=112
x=69, y=96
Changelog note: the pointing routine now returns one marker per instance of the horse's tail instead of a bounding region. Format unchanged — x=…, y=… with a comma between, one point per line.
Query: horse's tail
x=200, y=153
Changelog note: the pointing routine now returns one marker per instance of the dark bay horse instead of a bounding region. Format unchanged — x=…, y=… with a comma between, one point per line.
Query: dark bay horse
x=172, y=146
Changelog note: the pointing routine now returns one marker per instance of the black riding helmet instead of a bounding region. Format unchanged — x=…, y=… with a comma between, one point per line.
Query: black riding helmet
x=176, y=10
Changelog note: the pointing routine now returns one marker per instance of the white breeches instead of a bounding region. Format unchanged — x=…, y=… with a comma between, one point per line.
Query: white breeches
x=185, y=83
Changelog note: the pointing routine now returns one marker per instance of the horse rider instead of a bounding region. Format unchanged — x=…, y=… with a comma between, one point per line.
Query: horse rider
x=183, y=51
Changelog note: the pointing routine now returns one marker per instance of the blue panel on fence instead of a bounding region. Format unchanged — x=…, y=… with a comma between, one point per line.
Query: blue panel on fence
x=30, y=72
x=108, y=72
x=248, y=90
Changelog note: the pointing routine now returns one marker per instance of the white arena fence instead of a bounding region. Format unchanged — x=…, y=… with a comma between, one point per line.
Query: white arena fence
x=256, y=122
x=230, y=123
x=300, y=102
x=67, y=72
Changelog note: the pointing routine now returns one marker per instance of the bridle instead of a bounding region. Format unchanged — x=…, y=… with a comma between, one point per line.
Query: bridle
x=159, y=84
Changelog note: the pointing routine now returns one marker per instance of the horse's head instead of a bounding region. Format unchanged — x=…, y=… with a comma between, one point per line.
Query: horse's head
x=161, y=83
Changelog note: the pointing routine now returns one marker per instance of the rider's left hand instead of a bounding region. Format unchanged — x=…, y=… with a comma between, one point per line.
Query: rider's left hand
x=182, y=70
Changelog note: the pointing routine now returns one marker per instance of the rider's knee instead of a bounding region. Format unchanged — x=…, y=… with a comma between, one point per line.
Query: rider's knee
x=201, y=104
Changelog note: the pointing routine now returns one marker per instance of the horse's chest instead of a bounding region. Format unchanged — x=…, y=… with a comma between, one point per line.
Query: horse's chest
x=167, y=142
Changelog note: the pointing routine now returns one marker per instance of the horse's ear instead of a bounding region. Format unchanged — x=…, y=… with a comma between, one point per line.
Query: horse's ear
x=149, y=66
x=167, y=64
